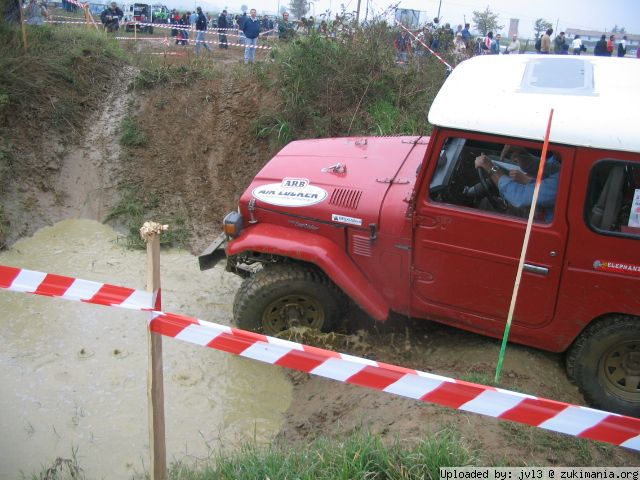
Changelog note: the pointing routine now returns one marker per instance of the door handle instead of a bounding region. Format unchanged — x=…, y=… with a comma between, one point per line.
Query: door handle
x=528, y=267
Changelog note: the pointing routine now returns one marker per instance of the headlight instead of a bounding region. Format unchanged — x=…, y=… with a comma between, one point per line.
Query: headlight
x=232, y=224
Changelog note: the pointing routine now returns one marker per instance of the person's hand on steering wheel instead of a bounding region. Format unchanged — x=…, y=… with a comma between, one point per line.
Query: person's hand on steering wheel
x=486, y=170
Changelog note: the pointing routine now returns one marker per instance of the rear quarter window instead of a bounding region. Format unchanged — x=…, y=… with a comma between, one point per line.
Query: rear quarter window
x=613, y=198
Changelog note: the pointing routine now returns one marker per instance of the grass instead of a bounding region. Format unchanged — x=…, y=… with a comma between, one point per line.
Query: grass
x=346, y=86
x=61, y=76
x=361, y=455
x=135, y=207
x=130, y=134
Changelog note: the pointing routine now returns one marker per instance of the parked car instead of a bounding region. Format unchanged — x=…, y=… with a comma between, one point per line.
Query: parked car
x=433, y=227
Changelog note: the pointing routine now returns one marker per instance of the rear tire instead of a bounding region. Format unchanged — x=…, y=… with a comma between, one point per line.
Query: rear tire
x=281, y=296
x=604, y=362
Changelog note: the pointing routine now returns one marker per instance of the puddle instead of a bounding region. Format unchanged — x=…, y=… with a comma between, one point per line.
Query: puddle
x=74, y=375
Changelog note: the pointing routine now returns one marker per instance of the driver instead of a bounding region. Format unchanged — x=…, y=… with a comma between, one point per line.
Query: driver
x=516, y=187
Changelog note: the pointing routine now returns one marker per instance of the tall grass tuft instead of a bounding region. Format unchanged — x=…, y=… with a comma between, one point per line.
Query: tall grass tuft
x=349, y=86
x=59, y=79
x=361, y=455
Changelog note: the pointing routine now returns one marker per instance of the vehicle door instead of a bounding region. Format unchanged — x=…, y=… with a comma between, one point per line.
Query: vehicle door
x=466, y=250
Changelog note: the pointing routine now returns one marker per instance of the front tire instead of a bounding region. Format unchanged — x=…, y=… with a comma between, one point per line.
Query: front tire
x=604, y=361
x=281, y=296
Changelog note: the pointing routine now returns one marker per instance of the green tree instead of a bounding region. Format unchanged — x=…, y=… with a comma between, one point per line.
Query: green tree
x=540, y=26
x=299, y=7
x=615, y=29
x=486, y=21
x=622, y=30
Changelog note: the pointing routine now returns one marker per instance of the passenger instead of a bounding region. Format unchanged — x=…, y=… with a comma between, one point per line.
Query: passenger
x=516, y=187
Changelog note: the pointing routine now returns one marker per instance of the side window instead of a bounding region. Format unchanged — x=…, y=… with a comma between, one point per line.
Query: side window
x=613, y=198
x=495, y=177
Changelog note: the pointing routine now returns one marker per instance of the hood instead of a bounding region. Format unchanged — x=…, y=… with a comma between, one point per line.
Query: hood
x=340, y=180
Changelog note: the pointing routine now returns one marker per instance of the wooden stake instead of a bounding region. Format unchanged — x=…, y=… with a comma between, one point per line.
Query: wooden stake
x=150, y=232
x=24, y=28
x=525, y=246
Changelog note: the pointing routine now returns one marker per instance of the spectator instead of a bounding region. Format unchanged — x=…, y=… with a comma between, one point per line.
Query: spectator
x=183, y=33
x=323, y=29
x=201, y=28
x=486, y=45
x=174, y=19
x=466, y=35
x=560, y=46
x=577, y=46
x=611, y=45
x=111, y=17
x=495, y=45
x=285, y=28
x=514, y=46
x=223, y=24
x=251, y=29
x=459, y=48
x=402, y=43
x=266, y=24
x=622, y=47
x=545, y=42
x=193, y=17
x=37, y=12
x=240, y=21
x=600, y=49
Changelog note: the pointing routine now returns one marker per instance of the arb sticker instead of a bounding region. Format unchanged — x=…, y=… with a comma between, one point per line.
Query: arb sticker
x=616, y=267
x=344, y=219
x=291, y=192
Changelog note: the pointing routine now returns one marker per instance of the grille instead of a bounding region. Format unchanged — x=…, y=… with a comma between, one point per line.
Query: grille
x=361, y=245
x=346, y=198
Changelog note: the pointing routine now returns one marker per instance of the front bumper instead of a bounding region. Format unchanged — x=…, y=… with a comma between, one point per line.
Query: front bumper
x=215, y=252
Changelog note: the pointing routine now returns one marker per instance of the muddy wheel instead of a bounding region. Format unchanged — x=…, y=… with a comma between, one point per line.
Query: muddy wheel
x=604, y=361
x=281, y=296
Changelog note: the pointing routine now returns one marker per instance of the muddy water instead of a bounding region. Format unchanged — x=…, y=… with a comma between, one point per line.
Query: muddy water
x=73, y=376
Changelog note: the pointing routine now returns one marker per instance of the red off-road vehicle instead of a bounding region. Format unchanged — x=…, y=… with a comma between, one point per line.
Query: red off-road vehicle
x=432, y=227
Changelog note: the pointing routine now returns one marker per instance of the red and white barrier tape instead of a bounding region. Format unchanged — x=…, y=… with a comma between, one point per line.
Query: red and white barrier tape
x=194, y=41
x=551, y=415
x=65, y=21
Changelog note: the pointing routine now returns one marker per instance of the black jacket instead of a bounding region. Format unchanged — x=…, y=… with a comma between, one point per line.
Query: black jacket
x=601, y=48
x=110, y=16
x=201, y=22
x=222, y=22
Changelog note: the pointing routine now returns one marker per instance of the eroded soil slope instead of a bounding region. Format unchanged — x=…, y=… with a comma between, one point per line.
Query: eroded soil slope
x=201, y=151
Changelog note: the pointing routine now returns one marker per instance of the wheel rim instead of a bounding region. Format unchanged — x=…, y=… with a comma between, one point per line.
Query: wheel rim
x=620, y=370
x=293, y=310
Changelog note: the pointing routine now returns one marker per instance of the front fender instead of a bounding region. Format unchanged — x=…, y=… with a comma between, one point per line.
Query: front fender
x=308, y=247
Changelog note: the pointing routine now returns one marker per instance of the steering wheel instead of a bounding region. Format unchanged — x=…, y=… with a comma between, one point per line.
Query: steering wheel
x=490, y=190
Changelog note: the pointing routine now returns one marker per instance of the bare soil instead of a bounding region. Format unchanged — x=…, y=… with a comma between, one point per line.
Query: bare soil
x=201, y=153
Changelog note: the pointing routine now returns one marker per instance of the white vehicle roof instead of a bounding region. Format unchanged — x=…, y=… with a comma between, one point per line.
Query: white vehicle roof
x=596, y=100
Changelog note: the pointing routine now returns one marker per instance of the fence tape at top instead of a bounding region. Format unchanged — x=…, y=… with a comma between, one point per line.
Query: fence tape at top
x=495, y=402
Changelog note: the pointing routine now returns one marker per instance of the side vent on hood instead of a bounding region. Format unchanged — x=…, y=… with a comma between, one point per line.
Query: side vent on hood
x=346, y=198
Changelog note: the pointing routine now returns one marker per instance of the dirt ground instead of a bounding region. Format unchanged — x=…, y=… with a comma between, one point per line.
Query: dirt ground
x=201, y=153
